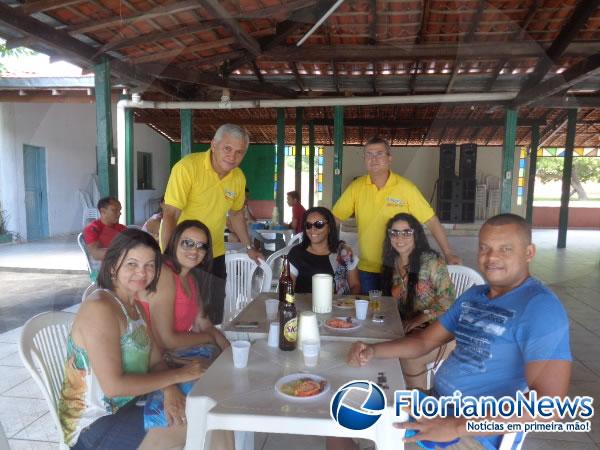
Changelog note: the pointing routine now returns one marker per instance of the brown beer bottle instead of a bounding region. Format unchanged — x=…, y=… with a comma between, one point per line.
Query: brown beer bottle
x=286, y=284
x=288, y=322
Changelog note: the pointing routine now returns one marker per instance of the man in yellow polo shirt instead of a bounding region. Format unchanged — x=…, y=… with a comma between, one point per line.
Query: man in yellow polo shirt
x=374, y=199
x=206, y=187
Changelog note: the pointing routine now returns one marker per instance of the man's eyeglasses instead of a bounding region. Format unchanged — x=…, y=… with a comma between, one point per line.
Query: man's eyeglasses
x=189, y=244
x=406, y=233
x=377, y=155
x=318, y=224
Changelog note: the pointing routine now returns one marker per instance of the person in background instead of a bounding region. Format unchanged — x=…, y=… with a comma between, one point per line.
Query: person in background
x=375, y=198
x=512, y=334
x=99, y=234
x=417, y=278
x=322, y=252
x=206, y=187
x=293, y=200
x=152, y=225
x=177, y=304
x=111, y=359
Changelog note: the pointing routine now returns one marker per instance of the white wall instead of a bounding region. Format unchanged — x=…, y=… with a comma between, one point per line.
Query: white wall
x=68, y=133
x=418, y=164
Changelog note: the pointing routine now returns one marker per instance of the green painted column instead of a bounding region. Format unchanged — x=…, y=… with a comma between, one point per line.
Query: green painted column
x=508, y=160
x=563, y=215
x=280, y=162
x=535, y=142
x=187, y=134
x=311, y=164
x=104, y=134
x=129, y=179
x=338, y=147
x=298, y=162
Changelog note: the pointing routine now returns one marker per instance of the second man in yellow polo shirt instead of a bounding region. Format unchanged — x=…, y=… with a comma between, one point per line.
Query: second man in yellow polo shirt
x=374, y=199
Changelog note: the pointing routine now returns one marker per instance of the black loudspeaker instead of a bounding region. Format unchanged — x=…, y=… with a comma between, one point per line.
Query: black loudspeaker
x=456, y=200
x=468, y=161
x=447, y=160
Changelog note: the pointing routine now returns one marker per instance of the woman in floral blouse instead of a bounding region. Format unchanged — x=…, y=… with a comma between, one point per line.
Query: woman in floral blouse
x=417, y=277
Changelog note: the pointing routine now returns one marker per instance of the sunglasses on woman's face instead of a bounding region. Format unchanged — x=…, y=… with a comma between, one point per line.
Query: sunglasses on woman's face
x=318, y=224
x=406, y=233
x=189, y=244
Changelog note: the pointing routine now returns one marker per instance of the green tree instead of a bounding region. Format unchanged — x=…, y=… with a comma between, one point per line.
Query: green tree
x=584, y=169
x=19, y=51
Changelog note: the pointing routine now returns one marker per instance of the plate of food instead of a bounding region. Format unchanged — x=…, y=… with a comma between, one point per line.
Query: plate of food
x=342, y=323
x=344, y=303
x=302, y=386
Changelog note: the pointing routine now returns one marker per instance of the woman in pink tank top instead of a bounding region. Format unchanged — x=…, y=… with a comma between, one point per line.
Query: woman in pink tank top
x=176, y=310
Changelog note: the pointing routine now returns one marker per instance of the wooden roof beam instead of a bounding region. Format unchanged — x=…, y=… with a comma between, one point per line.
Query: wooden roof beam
x=297, y=76
x=445, y=51
x=242, y=37
x=37, y=6
x=74, y=50
x=517, y=37
x=467, y=39
x=149, y=38
x=575, y=74
x=171, y=54
x=158, y=11
x=212, y=79
x=583, y=11
x=297, y=21
x=571, y=101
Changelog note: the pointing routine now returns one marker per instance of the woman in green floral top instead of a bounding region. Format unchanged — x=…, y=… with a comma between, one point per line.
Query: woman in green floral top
x=417, y=277
x=111, y=358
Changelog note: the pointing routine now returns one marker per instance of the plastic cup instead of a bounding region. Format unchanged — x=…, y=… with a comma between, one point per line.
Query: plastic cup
x=273, y=338
x=310, y=351
x=361, y=307
x=272, y=307
x=374, y=296
x=240, y=350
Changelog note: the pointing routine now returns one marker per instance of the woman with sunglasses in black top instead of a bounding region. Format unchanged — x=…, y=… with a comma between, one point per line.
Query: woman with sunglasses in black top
x=417, y=277
x=321, y=251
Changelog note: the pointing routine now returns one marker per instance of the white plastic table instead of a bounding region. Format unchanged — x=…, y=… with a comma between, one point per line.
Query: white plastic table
x=226, y=398
x=369, y=331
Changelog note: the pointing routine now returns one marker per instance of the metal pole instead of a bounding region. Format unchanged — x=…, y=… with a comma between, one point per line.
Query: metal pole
x=187, y=135
x=508, y=160
x=298, y=162
x=280, y=161
x=104, y=137
x=129, y=179
x=563, y=216
x=535, y=140
x=338, y=137
x=311, y=164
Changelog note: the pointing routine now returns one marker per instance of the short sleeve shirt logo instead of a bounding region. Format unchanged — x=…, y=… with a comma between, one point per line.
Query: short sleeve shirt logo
x=395, y=202
x=229, y=195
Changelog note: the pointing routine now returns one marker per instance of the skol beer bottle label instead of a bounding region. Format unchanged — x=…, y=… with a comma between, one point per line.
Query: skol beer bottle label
x=290, y=330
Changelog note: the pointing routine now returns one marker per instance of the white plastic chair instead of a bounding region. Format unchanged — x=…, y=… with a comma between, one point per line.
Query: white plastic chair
x=3, y=440
x=296, y=239
x=463, y=278
x=43, y=346
x=241, y=270
x=274, y=259
x=92, y=264
x=89, y=210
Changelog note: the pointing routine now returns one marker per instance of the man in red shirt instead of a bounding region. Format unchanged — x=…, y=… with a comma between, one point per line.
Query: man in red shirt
x=293, y=200
x=99, y=234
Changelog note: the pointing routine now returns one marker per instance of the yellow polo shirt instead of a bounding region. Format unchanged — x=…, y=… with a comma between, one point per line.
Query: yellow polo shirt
x=196, y=189
x=374, y=207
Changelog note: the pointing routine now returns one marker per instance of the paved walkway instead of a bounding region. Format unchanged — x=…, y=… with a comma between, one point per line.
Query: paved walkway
x=573, y=273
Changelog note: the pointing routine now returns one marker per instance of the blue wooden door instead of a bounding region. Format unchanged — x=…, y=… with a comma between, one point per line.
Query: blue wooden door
x=36, y=194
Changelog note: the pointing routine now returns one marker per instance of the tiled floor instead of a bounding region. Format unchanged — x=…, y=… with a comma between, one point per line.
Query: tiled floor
x=573, y=273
